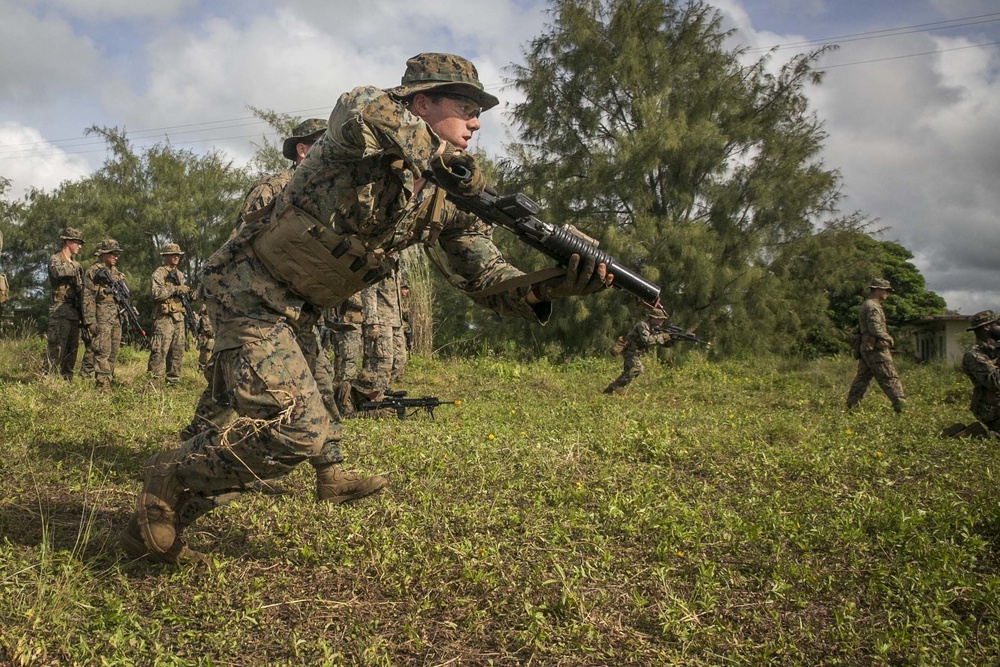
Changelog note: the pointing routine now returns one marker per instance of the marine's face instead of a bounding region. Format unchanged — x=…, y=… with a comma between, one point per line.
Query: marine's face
x=110, y=258
x=454, y=118
x=74, y=247
x=171, y=260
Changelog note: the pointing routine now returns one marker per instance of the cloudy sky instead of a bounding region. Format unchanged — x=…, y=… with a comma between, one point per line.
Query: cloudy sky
x=911, y=99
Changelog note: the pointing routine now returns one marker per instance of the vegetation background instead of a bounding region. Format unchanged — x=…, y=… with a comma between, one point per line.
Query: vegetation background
x=693, y=164
x=721, y=513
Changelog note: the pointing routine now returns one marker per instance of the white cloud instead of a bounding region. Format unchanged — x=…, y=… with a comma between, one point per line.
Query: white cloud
x=105, y=10
x=42, y=173
x=40, y=59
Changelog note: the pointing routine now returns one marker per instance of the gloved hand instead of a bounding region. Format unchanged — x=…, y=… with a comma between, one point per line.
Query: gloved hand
x=183, y=289
x=458, y=173
x=579, y=280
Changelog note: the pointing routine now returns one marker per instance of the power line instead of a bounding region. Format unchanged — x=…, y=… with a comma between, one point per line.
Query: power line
x=887, y=32
x=909, y=55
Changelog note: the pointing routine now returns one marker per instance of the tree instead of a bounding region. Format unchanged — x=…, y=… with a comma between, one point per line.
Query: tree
x=639, y=128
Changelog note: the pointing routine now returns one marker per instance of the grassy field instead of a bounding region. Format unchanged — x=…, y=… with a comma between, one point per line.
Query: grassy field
x=719, y=514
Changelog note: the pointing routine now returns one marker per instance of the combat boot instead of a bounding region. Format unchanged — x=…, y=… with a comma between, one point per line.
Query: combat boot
x=157, y=502
x=335, y=486
x=103, y=384
x=134, y=547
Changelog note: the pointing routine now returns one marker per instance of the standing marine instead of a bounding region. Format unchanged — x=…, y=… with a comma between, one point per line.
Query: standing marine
x=166, y=346
x=100, y=312
x=642, y=337
x=875, y=351
x=355, y=202
x=65, y=305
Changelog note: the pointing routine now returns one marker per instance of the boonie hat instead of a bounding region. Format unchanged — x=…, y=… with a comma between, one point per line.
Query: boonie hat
x=451, y=73
x=880, y=283
x=71, y=234
x=107, y=246
x=171, y=249
x=307, y=129
x=982, y=318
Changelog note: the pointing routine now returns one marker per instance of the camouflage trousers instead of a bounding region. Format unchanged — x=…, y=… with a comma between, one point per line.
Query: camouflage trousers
x=633, y=368
x=63, y=337
x=398, y=354
x=166, y=348
x=281, y=420
x=877, y=366
x=216, y=409
x=378, y=355
x=103, y=350
x=348, y=351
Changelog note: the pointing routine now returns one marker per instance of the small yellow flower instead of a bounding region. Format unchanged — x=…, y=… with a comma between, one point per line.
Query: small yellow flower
x=490, y=437
x=878, y=454
x=848, y=432
x=681, y=554
x=524, y=433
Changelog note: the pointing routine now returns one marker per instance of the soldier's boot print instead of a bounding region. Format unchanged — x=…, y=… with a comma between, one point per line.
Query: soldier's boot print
x=335, y=486
x=157, y=502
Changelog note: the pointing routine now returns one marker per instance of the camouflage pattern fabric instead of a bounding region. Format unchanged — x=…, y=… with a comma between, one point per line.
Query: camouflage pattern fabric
x=63, y=335
x=638, y=340
x=282, y=421
x=206, y=338
x=876, y=358
x=348, y=352
x=264, y=191
x=398, y=354
x=99, y=308
x=380, y=310
x=980, y=365
x=169, y=336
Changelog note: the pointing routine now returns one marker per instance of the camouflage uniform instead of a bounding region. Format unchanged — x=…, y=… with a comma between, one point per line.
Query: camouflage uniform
x=348, y=349
x=381, y=318
x=400, y=337
x=358, y=179
x=638, y=340
x=206, y=338
x=980, y=364
x=876, y=356
x=166, y=345
x=63, y=335
x=99, y=308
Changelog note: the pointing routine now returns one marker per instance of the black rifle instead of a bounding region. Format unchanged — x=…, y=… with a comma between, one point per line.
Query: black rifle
x=517, y=213
x=119, y=291
x=396, y=400
x=679, y=334
x=189, y=319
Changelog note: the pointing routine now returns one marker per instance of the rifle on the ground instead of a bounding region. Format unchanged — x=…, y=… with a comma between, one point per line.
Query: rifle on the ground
x=396, y=400
x=517, y=213
x=119, y=291
x=679, y=334
x=189, y=319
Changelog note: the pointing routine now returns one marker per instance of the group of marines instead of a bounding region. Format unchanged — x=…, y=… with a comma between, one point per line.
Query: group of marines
x=362, y=187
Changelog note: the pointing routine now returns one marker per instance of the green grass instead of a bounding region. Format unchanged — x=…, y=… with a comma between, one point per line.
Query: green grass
x=719, y=514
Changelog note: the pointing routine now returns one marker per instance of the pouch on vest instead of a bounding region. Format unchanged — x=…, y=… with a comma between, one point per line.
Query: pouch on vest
x=318, y=264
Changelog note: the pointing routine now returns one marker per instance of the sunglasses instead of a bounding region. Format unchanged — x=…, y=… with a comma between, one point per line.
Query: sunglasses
x=467, y=106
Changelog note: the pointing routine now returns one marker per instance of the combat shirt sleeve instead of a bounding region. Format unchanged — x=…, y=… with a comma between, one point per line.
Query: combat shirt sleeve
x=981, y=369
x=89, y=299
x=59, y=268
x=873, y=321
x=161, y=289
x=468, y=244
